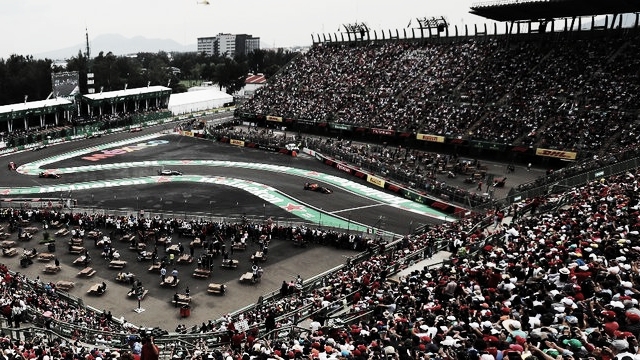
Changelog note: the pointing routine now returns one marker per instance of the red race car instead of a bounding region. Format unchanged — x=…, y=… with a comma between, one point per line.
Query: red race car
x=318, y=188
x=49, y=175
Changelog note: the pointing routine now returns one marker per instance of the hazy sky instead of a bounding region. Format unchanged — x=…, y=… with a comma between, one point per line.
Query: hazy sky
x=35, y=26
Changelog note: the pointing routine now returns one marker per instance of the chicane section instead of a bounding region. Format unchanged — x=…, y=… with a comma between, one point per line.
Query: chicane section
x=348, y=185
x=264, y=192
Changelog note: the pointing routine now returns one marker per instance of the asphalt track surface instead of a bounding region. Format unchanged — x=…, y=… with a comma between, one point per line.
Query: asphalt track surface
x=181, y=200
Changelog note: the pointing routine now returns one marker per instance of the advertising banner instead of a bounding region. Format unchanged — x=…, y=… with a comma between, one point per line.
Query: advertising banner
x=236, y=142
x=338, y=126
x=457, y=141
x=487, y=145
x=375, y=181
x=382, y=131
x=274, y=118
x=431, y=138
x=558, y=154
x=344, y=168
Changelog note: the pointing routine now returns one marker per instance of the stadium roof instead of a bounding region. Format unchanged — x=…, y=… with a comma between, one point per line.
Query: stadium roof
x=198, y=100
x=121, y=95
x=514, y=10
x=198, y=96
x=20, y=110
x=255, y=79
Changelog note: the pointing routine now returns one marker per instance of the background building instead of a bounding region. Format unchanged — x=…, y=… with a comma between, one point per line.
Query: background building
x=228, y=44
x=206, y=45
x=245, y=44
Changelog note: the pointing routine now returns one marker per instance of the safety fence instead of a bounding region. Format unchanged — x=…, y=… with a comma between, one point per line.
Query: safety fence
x=562, y=184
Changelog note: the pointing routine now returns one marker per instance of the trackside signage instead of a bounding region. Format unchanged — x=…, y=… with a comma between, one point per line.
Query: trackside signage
x=375, y=181
x=105, y=154
x=558, y=154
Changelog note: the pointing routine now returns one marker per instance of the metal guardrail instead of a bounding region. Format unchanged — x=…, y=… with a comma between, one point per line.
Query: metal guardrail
x=548, y=187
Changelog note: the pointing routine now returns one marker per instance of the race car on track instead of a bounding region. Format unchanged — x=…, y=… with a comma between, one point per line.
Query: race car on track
x=169, y=172
x=49, y=175
x=318, y=188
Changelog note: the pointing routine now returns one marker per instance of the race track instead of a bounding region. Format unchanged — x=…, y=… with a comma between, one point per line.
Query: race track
x=220, y=182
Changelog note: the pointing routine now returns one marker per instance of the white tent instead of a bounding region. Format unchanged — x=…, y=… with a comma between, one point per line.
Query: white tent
x=193, y=101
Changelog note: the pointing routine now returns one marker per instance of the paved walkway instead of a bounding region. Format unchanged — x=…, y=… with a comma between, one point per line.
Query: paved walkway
x=435, y=260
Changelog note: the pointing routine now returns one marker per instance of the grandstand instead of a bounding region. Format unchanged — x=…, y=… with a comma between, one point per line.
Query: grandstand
x=557, y=279
x=563, y=94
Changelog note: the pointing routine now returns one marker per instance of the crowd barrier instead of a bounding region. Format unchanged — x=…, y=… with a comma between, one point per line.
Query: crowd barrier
x=391, y=186
x=561, y=185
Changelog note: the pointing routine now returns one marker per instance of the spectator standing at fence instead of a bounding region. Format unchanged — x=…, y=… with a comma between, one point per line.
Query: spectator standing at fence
x=16, y=313
x=149, y=350
x=270, y=321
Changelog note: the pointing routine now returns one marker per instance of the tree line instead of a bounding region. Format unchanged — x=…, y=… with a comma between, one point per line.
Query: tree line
x=22, y=76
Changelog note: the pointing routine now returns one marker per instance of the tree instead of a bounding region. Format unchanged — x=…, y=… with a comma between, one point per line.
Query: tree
x=23, y=75
x=231, y=75
x=81, y=65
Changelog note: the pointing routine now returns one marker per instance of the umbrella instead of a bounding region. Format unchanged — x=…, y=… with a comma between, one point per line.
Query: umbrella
x=47, y=314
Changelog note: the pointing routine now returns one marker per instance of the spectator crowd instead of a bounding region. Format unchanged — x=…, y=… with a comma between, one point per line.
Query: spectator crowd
x=570, y=93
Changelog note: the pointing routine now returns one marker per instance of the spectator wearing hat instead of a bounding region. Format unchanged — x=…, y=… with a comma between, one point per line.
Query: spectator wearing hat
x=632, y=323
x=514, y=327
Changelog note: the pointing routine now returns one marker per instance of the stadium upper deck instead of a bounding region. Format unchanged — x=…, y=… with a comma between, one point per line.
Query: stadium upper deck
x=574, y=92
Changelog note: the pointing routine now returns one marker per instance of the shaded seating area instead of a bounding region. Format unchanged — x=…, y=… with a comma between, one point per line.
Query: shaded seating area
x=46, y=257
x=239, y=246
x=170, y=281
x=125, y=277
x=65, y=285
x=62, y=232
x=127, y=238
x=196, y=243
x=246, y=277
x=76, y=241
x=51, y=269
x=97, y=289
x=216, y=289
x=181, y=299
x=94, y=234
x=76, y=250
x=201, y=273
x=259, y=256
x=230, y=263
x=155, y=268
x=82, y=260
x=185, y=259
x=10, y=252
x=87, y=272
x=5, y=244
x=117, y=264
x=138, y=292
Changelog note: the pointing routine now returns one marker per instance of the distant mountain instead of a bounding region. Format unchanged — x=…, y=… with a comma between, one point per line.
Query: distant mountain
x=119, y=45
